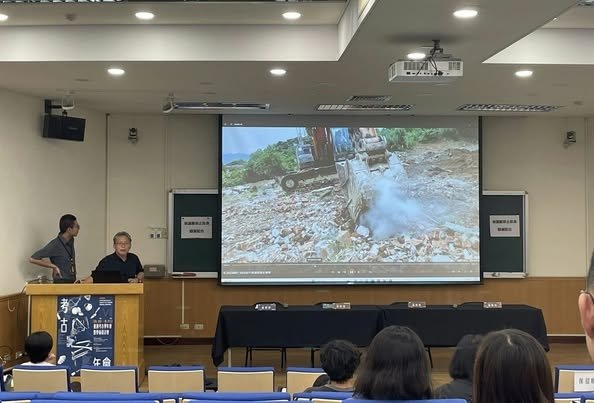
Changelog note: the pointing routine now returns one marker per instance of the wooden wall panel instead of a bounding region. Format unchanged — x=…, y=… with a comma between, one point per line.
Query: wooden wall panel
x=128, y=342
x=13, y=325
x=556, y=296
x=162, y=306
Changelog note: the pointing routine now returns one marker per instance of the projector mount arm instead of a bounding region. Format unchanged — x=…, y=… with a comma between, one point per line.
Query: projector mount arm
x=49, y=106
x=436, y=50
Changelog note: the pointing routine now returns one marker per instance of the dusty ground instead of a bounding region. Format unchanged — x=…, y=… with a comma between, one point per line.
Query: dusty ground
x=423, y=209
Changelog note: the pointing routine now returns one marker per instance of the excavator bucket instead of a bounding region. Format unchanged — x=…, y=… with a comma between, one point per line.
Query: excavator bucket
x=373, y=153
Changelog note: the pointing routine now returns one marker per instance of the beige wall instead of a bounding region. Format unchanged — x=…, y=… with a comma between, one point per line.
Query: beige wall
x=112, y=185
x=528, y=154
x=41, y=179
x=172, y=152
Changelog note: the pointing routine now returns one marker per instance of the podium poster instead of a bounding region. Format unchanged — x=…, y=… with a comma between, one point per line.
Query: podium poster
x=85, y=331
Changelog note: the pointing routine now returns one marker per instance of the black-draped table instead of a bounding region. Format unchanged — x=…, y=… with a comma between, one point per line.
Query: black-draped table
x=444, y=325
x=295, y=326
x=312, y=326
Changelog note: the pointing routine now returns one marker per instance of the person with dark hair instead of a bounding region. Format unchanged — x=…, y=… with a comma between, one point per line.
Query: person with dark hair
x=586, y=309
x=121, y=260
x=461, y=368
x=511, y=366
x=60, y=251
x=38, y=346
x=395, y=368
x=340, y=359
x=321, y=380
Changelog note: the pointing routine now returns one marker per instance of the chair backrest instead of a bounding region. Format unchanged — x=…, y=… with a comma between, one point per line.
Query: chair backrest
x=109, y=379
x=298, y=379
x=20, y=397
x=565, y=377
x=109, y=396
x=41, y=378
x=586, y=398
x=407, y=401
x=568, y=397
x=187, y=399
x=333, y=396
x=138, y=400
x=176, y=379
x=239, y=396
x=242, y=379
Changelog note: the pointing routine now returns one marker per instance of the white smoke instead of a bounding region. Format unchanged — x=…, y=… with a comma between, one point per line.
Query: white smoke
x=391, y=212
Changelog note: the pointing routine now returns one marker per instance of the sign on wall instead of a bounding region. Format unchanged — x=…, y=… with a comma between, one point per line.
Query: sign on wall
x=196, y=227
x=504, y=225
x=85, y=331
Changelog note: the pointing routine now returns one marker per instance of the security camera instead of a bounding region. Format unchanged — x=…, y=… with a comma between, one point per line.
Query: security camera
x=133, y=135
x=570, y=138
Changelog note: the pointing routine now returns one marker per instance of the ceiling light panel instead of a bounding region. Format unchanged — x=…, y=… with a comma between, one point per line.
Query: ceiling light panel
x=465, y=13
x=208, y=106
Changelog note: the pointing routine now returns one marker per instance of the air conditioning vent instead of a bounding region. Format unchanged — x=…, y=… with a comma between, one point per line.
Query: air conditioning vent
x=506, y=108
x=369, y=98
x=365, y=108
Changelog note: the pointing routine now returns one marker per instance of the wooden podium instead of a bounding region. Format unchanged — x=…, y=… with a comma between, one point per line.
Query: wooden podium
x=128, y=315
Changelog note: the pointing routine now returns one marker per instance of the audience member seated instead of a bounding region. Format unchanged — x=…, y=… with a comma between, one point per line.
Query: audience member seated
x=461, y=370
x=395, y=368
x=340, y=359
x=511, y=366
x=38, y=346
x=321, y=380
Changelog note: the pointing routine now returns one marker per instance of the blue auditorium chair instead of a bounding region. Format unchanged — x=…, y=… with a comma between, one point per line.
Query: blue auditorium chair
x=242, y=379
x=176, y=379
x=109, y=379
x=41, y=378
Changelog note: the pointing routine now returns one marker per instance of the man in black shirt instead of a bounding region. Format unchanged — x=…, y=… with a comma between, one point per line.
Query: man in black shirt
x=127, y=264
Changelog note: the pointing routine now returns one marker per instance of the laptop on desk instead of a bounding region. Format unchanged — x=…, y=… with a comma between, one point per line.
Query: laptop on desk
x=107, y=276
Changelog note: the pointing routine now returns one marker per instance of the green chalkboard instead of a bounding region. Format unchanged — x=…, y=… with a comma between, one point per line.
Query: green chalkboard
x=503, y=256
x=186, y=253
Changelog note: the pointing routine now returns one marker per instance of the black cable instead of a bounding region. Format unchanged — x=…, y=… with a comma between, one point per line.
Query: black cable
x=422, y=66
x=18, y=304
x=163, y=343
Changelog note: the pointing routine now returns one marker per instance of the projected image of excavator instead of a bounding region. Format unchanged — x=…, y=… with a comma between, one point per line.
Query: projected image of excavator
x=354, y=154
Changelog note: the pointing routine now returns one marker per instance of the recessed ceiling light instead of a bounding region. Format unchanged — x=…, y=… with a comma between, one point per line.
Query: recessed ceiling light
x=144, y=15
x=116, y=71
x=465, y=13
x=278, y=72
x=3, y=17
x=416, y=56
x=291, y=15
x=524, y=73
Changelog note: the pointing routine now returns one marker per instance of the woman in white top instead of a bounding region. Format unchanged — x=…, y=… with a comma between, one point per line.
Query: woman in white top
x=38, y=346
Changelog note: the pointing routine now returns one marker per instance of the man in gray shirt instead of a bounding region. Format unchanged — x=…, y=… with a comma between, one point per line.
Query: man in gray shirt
x=60, y=251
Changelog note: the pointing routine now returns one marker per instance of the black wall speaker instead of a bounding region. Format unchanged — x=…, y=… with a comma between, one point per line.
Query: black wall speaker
x=63, y=127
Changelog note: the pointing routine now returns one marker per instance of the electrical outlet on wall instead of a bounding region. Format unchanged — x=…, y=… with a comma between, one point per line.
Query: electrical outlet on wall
x=198, y=326
x=184, y=326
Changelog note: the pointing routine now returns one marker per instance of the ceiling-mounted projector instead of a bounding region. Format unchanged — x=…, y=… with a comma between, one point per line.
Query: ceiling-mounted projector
x=422, y=72
x=436, y=67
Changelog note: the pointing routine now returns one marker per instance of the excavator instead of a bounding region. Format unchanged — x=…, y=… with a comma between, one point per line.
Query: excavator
x=353, y=154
